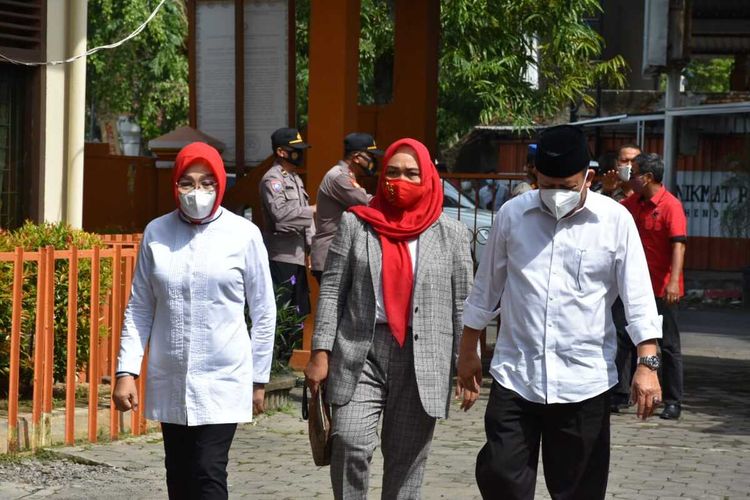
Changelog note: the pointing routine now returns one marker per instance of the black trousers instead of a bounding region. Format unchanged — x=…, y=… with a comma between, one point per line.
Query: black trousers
x=196, y=460
x=626, y=354
x=293, y=278
x=671, y=354
x=574, y=440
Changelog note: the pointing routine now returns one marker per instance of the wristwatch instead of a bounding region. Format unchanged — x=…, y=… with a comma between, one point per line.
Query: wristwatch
x=652, y=362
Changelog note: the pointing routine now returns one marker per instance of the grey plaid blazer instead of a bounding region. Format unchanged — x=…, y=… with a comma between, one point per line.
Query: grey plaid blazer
x=345, y=320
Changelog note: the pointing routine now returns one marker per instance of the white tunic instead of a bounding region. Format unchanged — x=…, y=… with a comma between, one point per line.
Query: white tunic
x=187, y=304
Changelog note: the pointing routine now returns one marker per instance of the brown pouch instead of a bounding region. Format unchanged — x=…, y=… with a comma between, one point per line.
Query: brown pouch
x=318, y=417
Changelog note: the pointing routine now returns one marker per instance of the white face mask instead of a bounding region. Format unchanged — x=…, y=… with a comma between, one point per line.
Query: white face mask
x=561, y=201
x=623, y=172
x=197, y=204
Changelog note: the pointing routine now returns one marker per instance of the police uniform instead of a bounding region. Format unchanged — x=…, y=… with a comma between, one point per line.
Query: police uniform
x=288, y=226
x=338, y=191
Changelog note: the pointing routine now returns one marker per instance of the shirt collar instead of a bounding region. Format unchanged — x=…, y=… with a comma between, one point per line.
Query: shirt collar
x=344, y=166
x=656, y=198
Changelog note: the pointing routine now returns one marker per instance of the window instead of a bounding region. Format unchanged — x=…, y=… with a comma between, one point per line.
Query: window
x=12, y=151
x=22, y=26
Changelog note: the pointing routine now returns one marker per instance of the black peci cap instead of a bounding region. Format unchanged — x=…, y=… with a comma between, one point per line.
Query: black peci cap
x=287, y=138
x=562, y=151
x=359, y=141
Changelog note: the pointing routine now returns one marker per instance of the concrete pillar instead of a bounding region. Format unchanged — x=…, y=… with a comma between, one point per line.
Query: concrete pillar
x=413, y=110
x=333, y=88
x=332, y=107
x=415, y=73
x=75, y=104
x=670, y=132
x=52, y=161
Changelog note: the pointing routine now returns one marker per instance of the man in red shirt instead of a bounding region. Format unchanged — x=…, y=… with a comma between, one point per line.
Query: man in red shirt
x=660, y=219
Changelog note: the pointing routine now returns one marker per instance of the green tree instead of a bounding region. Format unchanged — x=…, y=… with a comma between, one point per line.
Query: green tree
x=487, y=49
x=708, y=75
x=302, y=48
x=148, y=75
x=489, y=46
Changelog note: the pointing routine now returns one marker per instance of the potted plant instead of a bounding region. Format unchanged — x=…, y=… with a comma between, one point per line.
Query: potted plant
x=288, y=337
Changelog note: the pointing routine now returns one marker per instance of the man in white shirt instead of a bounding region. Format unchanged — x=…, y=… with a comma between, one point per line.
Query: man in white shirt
x=556, y=260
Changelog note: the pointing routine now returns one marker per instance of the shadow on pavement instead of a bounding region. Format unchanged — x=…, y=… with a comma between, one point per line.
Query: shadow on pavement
x=734, y=322
x=720, y=389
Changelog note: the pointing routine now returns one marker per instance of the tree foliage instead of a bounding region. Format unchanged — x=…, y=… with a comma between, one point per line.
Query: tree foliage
x=376, y=51
x=487, y=50
x=708, y=75
x=147, y=76
x=302, y=48
x=489, y=46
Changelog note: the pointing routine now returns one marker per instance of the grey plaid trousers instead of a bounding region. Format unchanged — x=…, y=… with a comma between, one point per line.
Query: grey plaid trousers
x=386, y=386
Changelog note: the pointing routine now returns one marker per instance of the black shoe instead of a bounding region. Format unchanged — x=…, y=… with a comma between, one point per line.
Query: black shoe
x=671, y=411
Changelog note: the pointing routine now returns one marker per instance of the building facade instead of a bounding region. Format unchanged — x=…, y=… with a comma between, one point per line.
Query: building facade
x=42, y=111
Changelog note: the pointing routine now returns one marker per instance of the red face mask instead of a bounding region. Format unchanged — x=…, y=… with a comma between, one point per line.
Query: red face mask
x=403, y=194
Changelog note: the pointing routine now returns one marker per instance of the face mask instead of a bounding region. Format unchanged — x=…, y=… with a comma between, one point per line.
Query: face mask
x=402, y=194
x=561, y=201
x=370, y=165
x=197, y=204
x=623, y=172
x=295, y=157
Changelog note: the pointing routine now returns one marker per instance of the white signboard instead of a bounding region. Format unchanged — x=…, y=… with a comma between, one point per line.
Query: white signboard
x=705, y=196
x=266, y=75
x=214, y=59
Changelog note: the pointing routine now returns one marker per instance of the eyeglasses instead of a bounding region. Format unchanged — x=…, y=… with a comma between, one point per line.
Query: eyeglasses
x=186, y=186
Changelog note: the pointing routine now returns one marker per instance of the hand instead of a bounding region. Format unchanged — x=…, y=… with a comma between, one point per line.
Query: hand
x=316, y=371
x=646, y=391
x=672, y=292
x=469, y=375
x=610, y=181
x=259, y=398
x=125, y=395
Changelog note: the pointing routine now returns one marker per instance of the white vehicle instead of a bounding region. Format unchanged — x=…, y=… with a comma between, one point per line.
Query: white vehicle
x=478, y=220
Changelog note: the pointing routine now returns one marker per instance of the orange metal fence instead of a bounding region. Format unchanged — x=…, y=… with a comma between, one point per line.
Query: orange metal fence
x=107, y=305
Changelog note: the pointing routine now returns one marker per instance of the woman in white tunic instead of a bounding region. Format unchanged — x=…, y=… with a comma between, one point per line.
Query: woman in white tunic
x=197, y=267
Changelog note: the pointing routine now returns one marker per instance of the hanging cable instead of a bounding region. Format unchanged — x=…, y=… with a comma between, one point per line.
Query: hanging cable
x=134, y=34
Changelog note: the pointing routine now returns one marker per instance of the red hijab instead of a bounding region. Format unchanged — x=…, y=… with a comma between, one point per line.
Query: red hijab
x=200, y=152
x=396, y=226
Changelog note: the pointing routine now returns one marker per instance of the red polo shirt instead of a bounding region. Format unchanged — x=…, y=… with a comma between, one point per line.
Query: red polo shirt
x=661, y=221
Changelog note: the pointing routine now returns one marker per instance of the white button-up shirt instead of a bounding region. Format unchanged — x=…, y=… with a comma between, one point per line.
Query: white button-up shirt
x=554, y=283
x=187, y=304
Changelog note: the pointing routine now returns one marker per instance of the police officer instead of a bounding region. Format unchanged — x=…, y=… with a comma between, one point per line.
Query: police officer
x=287, y=218
x=340, y=190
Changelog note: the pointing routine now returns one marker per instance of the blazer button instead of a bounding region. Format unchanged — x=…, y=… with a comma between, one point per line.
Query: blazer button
x=416, y=336
x=416, y=310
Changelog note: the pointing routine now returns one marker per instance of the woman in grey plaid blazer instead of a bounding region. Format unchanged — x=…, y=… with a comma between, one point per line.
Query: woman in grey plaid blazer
x=388, y=324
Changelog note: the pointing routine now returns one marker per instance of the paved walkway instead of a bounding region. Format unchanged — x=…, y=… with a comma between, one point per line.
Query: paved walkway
x=704, y=455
